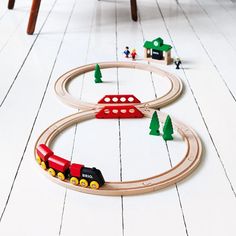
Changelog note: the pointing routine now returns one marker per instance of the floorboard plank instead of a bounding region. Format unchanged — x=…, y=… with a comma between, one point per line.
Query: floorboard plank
x=20, y=45
x=95, y=141
x=144, y=155
x=219, y=123
x=21, y=161
x=201, y=188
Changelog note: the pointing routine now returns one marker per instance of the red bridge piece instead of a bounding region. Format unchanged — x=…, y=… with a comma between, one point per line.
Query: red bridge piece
x=113, y=112
x=117, y=99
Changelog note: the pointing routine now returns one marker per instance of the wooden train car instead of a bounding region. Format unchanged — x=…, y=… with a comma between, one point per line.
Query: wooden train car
x=77, y=174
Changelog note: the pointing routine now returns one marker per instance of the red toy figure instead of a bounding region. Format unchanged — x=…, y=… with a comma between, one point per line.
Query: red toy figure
x=133, y=54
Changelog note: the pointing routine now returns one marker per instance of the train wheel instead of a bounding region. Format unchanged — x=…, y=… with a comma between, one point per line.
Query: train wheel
x=38, y=159
x=52, y=172
x=94, y=185
x=61, y=176
x=83, y=183
x=43, y=165
x=74, y=181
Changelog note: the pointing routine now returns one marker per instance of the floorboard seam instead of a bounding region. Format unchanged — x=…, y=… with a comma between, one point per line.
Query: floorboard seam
x=206, y=51
x=27, y=55
x=220, y=159
x=177, y=191
x=35, y=120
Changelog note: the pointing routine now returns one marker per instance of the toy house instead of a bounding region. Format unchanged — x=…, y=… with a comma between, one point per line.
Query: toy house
x=157, y=51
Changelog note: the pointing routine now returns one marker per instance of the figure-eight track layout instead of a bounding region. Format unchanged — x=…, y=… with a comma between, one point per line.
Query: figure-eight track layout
x=118, y=106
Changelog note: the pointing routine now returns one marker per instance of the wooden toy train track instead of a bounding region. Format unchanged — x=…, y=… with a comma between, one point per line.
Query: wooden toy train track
x=189, y=162
x=68, y=99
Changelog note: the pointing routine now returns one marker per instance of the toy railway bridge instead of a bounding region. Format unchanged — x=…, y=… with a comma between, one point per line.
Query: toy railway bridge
x=118, y=99
x=119, y=106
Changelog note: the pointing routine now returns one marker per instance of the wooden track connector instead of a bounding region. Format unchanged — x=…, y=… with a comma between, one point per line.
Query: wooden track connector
x=115, y=112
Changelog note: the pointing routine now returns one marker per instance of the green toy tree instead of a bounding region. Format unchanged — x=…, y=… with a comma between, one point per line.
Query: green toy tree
x=154, y=125
x=97, y=74
x=168, y=129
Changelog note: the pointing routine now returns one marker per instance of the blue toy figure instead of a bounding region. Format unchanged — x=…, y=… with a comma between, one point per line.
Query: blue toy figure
x=127, y=51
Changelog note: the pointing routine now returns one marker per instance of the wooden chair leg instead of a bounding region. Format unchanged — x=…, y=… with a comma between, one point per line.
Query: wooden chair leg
x=134, y=14
x=33, y=16
x=11, y=4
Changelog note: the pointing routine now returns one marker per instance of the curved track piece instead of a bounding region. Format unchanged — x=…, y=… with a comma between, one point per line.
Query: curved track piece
x=189, y=162
x=62, y=84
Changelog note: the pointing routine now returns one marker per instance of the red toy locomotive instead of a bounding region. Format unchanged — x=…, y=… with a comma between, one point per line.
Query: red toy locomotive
x=63, y=169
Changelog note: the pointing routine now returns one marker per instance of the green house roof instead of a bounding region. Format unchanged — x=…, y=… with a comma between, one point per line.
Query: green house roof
x=157, y=44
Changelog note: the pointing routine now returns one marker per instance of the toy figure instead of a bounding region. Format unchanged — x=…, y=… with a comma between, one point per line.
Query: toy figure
x=177, y=63
x=97, y=74
x=133, y=54
x=127, y=52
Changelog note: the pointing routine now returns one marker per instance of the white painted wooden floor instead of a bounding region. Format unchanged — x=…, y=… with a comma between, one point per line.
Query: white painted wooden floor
x=77, y=32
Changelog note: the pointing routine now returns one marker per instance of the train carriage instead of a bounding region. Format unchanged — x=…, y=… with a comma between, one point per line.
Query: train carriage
x=77, y=174
x=58, y=166
x=43, y=153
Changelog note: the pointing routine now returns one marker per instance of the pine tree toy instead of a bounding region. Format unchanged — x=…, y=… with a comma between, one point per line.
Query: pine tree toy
x=97, y=74
x=168, y=129
x=154, y=125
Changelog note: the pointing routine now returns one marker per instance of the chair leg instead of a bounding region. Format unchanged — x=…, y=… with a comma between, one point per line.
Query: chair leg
x=33, y=16
x=11, y=4
x=134, y=10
